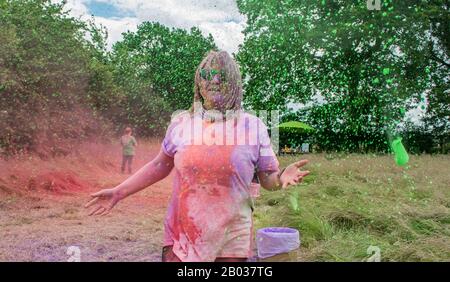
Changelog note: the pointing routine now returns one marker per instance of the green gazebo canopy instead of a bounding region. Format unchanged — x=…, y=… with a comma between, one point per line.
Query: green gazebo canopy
x=295, y=126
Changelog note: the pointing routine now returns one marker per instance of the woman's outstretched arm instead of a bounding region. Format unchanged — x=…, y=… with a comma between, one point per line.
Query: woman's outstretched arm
x=157, y=169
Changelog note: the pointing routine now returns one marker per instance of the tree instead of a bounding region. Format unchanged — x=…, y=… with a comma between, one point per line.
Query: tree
x=437, y=115
x=47, y=69
x=365, y=64
x=155, y=66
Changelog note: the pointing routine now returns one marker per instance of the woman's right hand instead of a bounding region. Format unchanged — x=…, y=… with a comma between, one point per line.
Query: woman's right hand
x=103, y=201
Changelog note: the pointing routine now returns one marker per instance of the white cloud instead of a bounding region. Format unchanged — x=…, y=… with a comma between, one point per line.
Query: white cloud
x=77, y=8
x=116, y=26
x=227, y=35
x=221, y=18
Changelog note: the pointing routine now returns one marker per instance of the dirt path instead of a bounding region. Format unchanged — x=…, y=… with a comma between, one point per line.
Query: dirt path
x=42, y=229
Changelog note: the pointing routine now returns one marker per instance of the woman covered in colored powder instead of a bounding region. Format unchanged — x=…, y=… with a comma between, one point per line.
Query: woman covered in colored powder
x=214, y=149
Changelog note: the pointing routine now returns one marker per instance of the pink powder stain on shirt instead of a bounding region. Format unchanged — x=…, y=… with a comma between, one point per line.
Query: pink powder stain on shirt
x=205, y=199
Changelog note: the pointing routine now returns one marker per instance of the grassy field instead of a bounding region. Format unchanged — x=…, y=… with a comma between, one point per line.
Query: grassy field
x=351, y=202
x=348, y=203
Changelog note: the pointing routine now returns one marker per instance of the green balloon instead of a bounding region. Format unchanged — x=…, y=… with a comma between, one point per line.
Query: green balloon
x=401, y=156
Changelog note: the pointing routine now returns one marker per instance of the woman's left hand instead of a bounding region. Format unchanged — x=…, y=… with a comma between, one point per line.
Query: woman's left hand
x=292, y=175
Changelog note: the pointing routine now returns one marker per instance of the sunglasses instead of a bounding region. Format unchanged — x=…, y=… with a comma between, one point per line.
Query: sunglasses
x=209, y=74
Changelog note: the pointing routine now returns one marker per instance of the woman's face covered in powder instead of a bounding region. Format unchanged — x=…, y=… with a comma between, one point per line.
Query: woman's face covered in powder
x=214, y=86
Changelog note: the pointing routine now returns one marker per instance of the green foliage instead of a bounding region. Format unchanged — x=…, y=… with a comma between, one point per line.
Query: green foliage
x=59, y=84
x=47, y=76
x=368, y=66
x=436, y=120
x=155, y=66
x=425, y=138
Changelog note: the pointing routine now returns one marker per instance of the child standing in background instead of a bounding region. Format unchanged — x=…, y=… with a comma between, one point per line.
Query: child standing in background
x=128, y=143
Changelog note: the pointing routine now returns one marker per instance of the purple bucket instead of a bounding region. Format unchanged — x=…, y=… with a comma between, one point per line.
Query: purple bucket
x=272, y=241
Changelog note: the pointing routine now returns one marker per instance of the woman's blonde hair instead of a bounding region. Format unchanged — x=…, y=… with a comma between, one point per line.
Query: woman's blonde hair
x=233, y=98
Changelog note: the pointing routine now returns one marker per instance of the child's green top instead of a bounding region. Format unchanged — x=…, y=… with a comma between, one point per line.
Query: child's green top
x=128, y=143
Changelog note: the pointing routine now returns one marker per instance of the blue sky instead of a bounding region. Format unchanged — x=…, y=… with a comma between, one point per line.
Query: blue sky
x=107, y=10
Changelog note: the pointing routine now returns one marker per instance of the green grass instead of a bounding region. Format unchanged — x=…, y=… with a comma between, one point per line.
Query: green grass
x=350, y=202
